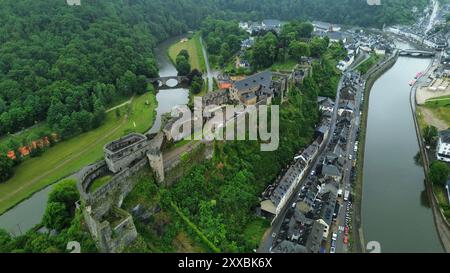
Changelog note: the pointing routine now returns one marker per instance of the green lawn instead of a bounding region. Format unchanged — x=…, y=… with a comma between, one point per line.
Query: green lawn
x=69, y=156
x=254, y=231
x=98, y=183
x=194, y=48
x=285, y=66
x=438, y=102
x=367, y=64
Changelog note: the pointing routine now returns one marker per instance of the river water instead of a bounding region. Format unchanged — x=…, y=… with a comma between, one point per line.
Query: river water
x=395, y=209
x=28, y=213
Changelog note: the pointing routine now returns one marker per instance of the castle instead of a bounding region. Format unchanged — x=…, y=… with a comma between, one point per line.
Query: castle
x=112, y=227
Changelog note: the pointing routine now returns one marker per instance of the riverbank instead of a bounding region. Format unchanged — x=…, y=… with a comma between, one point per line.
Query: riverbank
x=442, y=225
x=370, y=77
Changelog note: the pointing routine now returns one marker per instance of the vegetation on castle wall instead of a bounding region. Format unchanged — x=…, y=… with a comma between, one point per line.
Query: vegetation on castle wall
x=61, y=216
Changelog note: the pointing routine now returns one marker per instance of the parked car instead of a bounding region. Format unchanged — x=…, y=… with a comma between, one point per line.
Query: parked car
x=346, y=240
x=332, y=250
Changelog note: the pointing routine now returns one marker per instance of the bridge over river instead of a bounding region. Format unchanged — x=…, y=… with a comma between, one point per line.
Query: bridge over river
x=169, y=82
x=416, y=53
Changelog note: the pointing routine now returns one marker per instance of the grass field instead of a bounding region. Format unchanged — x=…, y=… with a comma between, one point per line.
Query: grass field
x=285, y=66
x=254, y=231
x=367, y=64
x=194, y=48
x=438, y=102
x=69, y=156
x=441, y=112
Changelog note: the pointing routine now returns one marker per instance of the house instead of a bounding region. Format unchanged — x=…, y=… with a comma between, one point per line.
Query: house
x=289, y=247
x=326, y=211
x=325, y=104
x=225, y=85
x=346, y=106
x=331, y=171
x=443, y=147
x=285, y=187
x=73, y=2
x=248, y=43
x=336, y=36
x=259, y=85
x=314, y=241
x=322, y=26
x=271, y=24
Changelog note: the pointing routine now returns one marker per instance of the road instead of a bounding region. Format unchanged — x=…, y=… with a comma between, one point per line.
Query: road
x=267, y=242
x=433, y=16
x=347, y=170
x=209, y=73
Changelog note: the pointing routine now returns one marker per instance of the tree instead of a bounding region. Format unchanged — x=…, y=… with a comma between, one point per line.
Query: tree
x=196, y=85
x=438, y=173
x=182, y=65
x=430, y=134
x=318, y=46
x=65, y=192
x=298, y=50
x=6, y=168
x=265, y=51
x=184, y=53
x=56, y=216
x=5, y=241
x=305, y=30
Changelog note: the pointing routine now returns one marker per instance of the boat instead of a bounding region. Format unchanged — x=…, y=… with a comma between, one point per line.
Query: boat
x=418, y=75
x=411, y=83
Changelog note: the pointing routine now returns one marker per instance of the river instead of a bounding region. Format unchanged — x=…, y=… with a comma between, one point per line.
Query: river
x=29, y=212
x=395, y=209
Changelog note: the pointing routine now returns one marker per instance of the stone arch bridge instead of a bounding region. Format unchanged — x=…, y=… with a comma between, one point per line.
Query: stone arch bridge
x=169, y=82
x=416, y=53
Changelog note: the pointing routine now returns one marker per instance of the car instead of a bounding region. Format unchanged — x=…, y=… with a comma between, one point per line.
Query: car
x=294, y=205
x=313, y=172
x=334, y=237
x=350, y=157
x=346, y=240
x=333, y=243
x=332, y=250
x=346, y=230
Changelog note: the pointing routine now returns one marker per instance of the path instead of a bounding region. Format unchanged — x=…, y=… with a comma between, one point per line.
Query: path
x=120, y=105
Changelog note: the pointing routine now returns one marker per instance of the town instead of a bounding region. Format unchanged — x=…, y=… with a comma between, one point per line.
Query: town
x=238, y=131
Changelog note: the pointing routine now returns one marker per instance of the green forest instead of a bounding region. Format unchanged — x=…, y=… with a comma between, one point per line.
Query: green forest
x=66, y=64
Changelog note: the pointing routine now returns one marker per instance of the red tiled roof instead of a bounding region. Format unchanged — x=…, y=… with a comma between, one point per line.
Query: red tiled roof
x=12, y=155
x=224, y=85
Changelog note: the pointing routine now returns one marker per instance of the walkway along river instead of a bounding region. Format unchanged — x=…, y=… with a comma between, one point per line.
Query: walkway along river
x=395, y=208
x=28, y=213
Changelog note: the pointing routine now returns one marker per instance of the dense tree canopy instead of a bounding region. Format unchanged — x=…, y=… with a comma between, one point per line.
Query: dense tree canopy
x=356, y=12
x=65, y=64
x=6, y=168
x=438, y=173
x=223, y=39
